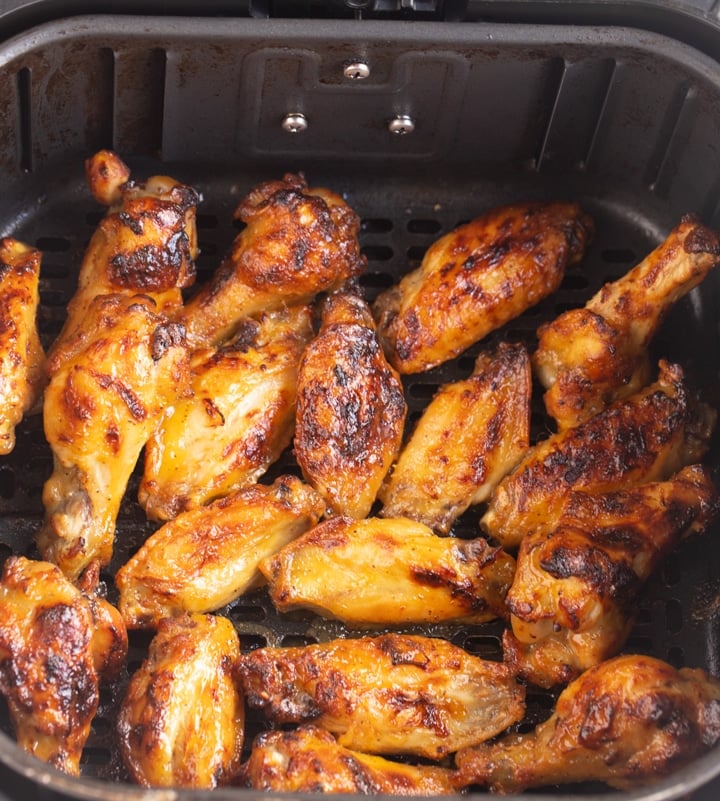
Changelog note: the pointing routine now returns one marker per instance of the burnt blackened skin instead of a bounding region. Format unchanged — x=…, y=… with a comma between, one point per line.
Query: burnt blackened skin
x=702, y=240
x=152, y=268
x=166, y=336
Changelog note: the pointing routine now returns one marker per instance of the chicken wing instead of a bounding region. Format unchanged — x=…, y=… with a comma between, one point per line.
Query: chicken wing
x=350, y=408
x=390, y=572
x=472, y=433
x=109, y=387
x=574, y=596
x=297, y=242
x=208, y=557
x=22, y=358
x=646, y=437
x=625, y=722
x=182, y=720
x=589, y=357
x=146, y=243
x=237, y=421
x=477, y=278
x=392, y=694
x=310, y=760
x=57, y=643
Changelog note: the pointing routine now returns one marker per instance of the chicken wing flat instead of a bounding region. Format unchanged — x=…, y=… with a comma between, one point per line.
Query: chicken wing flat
x=350, y=408
x=646, y=437
x=589, y=357
x=110, y=384
x=237, y=420
x=389, y=572
x=208, y=557
x=625, y=722
x=182, y=720
x=472, y=433
x=146, y=243
x=573, y=599
x=392, y=694
x=298, y=241
x=310, y=760
x=477, y=278
x=22, y=358
x=56, y=645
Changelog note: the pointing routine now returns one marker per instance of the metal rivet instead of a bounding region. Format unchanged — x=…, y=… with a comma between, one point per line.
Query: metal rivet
x=295, y=122
x=356, y=70
x=401, y=125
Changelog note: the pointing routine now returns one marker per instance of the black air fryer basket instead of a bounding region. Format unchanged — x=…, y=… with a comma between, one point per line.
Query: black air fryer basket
x=422, y=115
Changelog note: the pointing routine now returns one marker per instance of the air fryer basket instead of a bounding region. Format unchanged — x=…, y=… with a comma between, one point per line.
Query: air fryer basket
x=627, y=122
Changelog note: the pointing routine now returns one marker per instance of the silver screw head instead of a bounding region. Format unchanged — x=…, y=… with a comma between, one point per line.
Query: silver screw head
x=401, y=125
x=295, y=122
x=356, y=70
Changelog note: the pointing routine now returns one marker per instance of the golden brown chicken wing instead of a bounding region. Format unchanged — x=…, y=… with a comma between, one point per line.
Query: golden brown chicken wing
x=625, y=722
x=589, y=357
x=208, y=557
x=310, y=760
x=472, y=433
x=110, y=384
x=389, y=572
x=350, y=408
x=57, y=643
x=181, y=722
x=22, y=358
x=477, y=278
x=237, y=421
x=298, y=241
x=646, y=437
x=392, y=694
x=573, y=600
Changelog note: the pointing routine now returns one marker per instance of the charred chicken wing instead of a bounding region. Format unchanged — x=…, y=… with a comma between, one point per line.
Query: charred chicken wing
x=181, y=722
x=625, y=722
x=392, y=694
x=477, y=278
x=389, y=572
x=350, y=408
x=589, y=357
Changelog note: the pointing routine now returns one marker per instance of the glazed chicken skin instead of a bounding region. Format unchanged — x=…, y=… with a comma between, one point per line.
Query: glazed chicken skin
x=236, y=422
x=478, y=277
x=182, y=719
x=22, y=358
x=646, y=437
x=626, y=722
x=110, y=384
x=146, y=243
x=574, y=596
x=298, y=242
x=589, y=357
x=351, y=408
x=389, y=573
x=471, y=434
x=391, y=694
x=310, y=760
x=58, y=642
x=208, y=557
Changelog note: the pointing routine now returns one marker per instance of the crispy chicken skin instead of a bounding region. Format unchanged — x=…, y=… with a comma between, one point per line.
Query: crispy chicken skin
x=298, y=241
x=626, y=722
x=350, y=408
x=478, y=277
x=646, y=437
x=22, y=358
x=208, y=557
x=573, y=599
x=146, y=243
x=310, y=760
x=471, y=434
x=392, y=694
x=57, y=643
x=389, y=572
x=236, y=422
x=589, y=357
x=110, y=384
